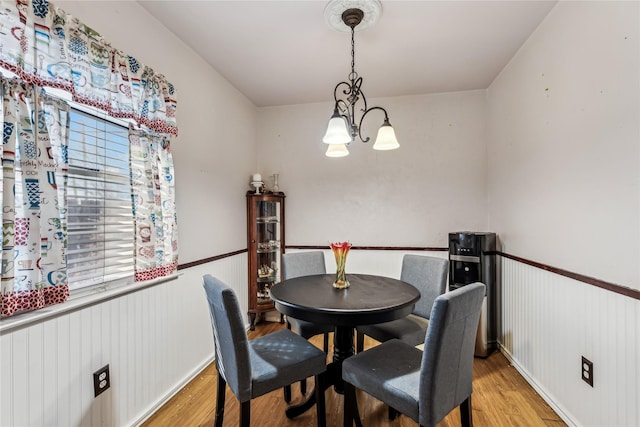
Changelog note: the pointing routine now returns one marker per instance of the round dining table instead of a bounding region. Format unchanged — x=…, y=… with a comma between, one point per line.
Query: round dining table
x=369, y=299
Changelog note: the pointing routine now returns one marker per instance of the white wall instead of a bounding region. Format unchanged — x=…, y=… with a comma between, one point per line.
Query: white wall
x=564, y=190
x=214, y=153
x=564, y=143
x=413, y=196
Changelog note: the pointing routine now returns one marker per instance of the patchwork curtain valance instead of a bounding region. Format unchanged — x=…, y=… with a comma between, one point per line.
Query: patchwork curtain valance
x=46, y=46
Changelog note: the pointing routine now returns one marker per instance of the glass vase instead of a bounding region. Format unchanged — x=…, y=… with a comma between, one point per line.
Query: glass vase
x=341, y=281
x=340, y=251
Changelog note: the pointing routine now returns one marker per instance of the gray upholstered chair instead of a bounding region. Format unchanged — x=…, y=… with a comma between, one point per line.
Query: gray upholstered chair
x=298, y=264
x=429, y=276
x=427, y=385
x=305, y=264
x=256, y=367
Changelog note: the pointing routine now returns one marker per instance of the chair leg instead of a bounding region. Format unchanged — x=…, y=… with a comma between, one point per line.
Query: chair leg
x=303, y=386
x=245, y=413
x=393, y=413
x=220, y=397
x=321, y=413
x=326, y=342
x=287, y=393
x=359, y=342
x=465, y=413
x=350, y=403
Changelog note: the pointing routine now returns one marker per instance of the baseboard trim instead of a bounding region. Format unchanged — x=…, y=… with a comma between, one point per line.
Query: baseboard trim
x=174, y=390
x=562, y=413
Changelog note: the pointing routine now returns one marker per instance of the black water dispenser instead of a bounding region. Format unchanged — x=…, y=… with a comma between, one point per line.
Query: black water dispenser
x=472, y=258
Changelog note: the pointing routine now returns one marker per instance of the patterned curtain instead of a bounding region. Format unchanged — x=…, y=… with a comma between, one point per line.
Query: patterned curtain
x=153, y=192
x=46, y=46
x=34, y=188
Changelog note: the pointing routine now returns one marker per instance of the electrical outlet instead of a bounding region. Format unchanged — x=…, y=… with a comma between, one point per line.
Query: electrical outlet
x=587, y=371
x=101, y=380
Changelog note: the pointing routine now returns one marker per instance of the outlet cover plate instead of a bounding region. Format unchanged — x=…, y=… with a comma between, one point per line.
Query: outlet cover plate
x=101, y=381
x=587, y=371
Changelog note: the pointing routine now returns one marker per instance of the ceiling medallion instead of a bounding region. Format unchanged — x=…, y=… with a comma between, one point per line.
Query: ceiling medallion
x=334, y=9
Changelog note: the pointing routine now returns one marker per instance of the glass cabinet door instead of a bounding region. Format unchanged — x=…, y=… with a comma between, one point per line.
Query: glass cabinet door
x=267, y=248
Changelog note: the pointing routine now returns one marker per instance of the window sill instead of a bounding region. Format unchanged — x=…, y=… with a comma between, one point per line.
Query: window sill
x=101, y=294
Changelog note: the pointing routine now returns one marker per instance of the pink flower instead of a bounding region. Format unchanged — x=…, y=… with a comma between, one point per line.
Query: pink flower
x=341, y=247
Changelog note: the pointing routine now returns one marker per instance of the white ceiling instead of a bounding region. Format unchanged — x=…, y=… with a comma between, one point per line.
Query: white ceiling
x=283, y=53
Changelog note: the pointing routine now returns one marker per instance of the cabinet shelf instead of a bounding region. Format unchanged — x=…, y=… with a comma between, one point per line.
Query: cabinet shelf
x=267, y=221
x=267, y=251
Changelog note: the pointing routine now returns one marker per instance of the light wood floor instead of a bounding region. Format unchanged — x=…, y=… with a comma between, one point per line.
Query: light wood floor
x=501, y=397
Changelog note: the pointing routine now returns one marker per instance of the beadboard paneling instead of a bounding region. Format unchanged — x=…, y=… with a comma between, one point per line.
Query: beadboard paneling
x=157, y=339
x=380, y=262
x=154, y=341
x=550, y=321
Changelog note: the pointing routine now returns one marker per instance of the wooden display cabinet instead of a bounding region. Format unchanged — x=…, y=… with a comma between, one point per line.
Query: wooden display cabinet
x=265, y=244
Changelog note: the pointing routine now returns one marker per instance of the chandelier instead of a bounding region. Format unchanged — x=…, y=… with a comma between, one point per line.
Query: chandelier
x=344, y=127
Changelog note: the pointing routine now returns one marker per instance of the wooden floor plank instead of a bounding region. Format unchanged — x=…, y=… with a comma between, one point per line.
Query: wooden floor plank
x=501, y=398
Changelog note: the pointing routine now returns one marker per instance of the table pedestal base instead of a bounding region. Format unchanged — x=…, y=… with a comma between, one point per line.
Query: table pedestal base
x=342, y=348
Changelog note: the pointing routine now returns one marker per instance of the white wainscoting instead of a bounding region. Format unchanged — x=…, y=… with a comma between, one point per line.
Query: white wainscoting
x=549, y=321
x=159, y=338
x=380, y=262
x=154, y=341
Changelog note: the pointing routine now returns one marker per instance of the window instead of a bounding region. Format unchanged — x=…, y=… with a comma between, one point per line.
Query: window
x=100, y=218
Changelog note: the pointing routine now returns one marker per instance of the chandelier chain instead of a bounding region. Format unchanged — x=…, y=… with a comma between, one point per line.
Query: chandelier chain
x=353, y=54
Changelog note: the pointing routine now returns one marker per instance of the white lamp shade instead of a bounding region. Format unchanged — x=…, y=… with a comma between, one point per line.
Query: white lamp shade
x=337, y=150
x=337, y=132
x=386, y=139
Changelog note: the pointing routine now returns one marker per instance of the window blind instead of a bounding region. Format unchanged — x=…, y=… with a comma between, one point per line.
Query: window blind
x=100, y=218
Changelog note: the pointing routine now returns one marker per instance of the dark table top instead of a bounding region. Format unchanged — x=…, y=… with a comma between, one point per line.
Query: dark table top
x=370, y=299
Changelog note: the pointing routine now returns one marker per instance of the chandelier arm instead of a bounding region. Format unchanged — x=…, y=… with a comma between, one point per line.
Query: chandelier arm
x=352, y=94
x=364, y=99
x=345, y=91
x=342, y=108
x=386, y=118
